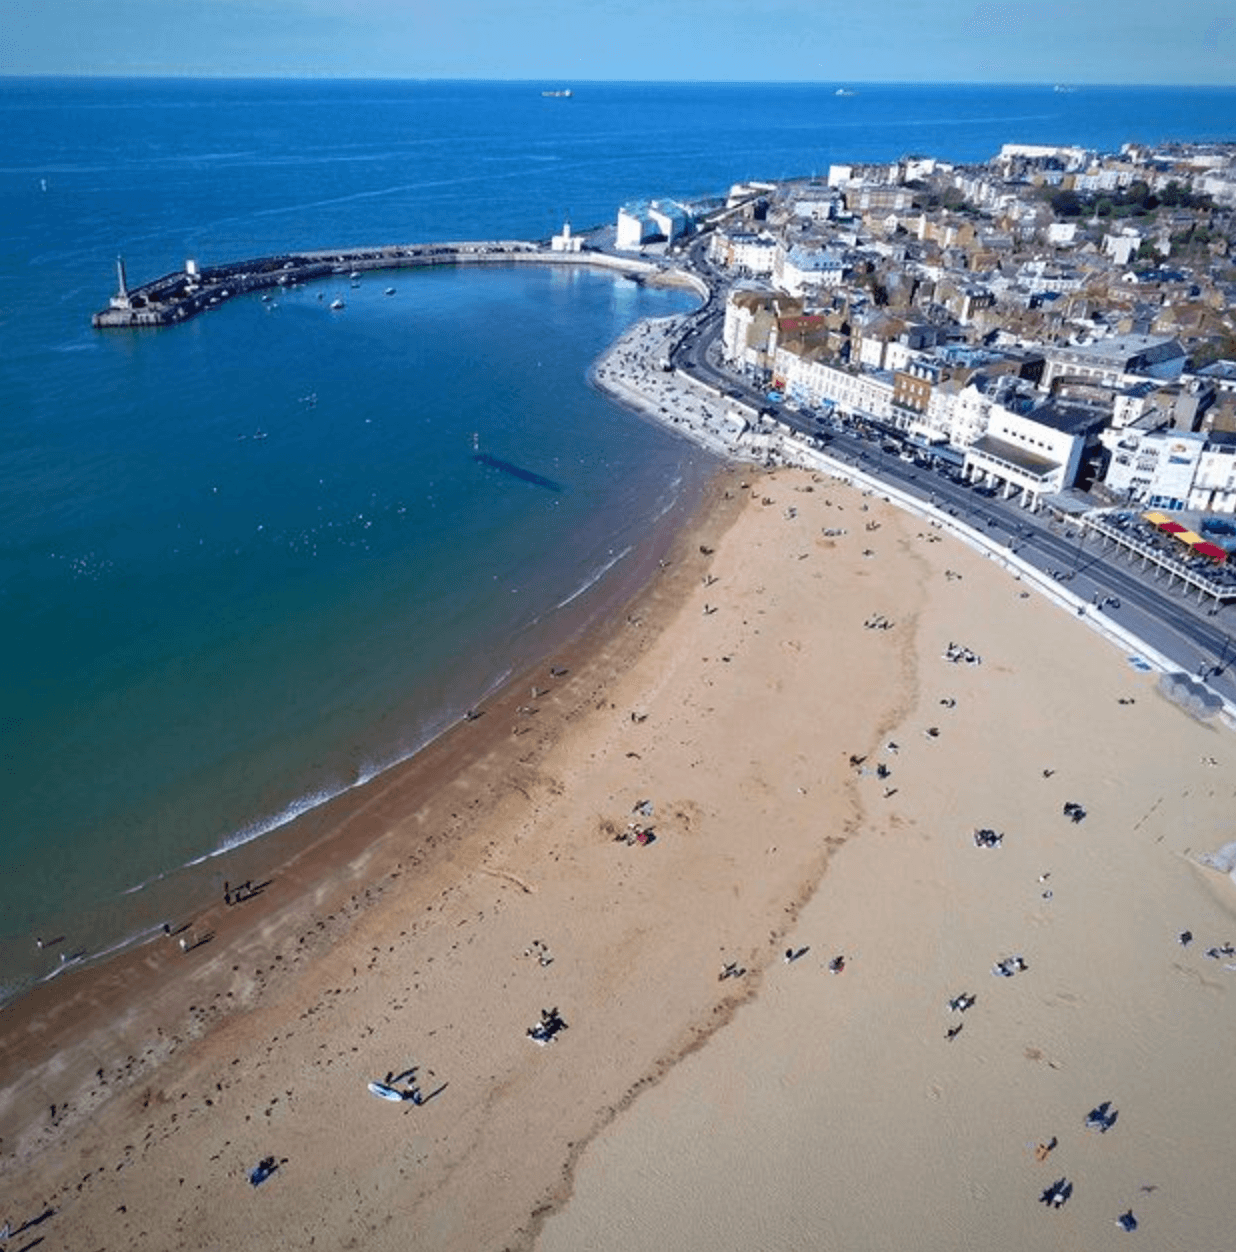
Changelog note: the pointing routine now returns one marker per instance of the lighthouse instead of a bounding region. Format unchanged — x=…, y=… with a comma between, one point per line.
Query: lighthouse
x=121, y=299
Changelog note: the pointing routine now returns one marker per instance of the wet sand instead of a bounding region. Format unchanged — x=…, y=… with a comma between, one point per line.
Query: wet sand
x=445, y=906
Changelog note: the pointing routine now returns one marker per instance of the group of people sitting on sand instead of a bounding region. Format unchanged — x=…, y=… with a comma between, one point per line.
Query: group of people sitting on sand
x=958, y=654
x=548, y=1028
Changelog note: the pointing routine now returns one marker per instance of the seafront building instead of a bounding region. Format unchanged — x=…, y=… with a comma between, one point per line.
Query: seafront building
x=1053, y=319
x=648, y=220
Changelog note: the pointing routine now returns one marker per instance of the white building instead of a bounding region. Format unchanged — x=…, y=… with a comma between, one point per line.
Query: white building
x=1174, y=469
x=740, y=193
x=817, y=204
x=1122, y=247
x=1101, y=180
x=1214, y=483
x=566, y=242
x=801, y=271
x=749, y=333
x=1070, y=158
x=754, y=255
x=818, y=384
x=646, y=220
x=1154, y=467
x=1036, y=453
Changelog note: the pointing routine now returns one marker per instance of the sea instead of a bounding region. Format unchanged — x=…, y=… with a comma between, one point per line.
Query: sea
x=250, y=562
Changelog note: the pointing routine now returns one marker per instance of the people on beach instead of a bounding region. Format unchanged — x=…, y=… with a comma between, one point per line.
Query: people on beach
x=959, y=655
x=1102, y=1117
x=548, y=1028
x=1056, y=1195
x=262, y=1171
x=1009, y=966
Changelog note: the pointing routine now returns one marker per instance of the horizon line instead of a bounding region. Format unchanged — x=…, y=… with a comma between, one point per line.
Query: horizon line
x=308, y=77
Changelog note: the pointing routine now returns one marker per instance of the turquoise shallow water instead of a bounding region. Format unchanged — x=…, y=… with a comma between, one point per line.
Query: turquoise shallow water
x=248, y=561
x=293, y=571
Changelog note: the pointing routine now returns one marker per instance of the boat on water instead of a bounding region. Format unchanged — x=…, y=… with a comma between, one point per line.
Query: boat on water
x=336, y=304
x=390, y=291
x=563, y=93
x=844, y=91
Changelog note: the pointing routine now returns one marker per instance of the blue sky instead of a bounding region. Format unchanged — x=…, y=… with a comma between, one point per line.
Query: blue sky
x=1072, y=41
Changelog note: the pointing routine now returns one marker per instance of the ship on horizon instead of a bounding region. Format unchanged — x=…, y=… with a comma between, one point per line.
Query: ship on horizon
x=562, y=93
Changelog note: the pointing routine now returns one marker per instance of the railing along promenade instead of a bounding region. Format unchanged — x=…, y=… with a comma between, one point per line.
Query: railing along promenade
x=176, y=297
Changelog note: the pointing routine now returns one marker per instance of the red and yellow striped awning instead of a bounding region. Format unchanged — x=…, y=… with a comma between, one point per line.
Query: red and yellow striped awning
x=1212, y=550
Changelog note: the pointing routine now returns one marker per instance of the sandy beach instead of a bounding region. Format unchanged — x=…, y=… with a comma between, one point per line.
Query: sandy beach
x=777, y=710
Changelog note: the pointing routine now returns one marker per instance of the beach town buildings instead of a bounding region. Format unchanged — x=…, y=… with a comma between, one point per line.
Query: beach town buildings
x=1052, y=317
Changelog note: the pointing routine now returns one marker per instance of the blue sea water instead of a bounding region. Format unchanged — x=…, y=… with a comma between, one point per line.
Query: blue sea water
x=249, y=561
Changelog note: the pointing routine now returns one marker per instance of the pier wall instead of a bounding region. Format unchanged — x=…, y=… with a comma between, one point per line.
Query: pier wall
x=176, y=297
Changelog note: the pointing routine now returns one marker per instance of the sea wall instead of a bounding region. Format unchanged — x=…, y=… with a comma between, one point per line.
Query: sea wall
x=178, y=296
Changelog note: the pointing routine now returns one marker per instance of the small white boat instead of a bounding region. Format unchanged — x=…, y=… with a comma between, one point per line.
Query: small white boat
x=390, y=291
x=336, y=304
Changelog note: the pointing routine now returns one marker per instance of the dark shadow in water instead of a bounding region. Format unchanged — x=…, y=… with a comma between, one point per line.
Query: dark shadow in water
x=516, y=471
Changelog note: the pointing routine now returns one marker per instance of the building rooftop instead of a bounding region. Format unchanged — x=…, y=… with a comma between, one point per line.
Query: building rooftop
x=1122, y=348
x=1017, y=457
x=1068, y=419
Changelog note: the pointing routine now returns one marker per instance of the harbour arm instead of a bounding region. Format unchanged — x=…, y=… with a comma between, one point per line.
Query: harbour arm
x=178, y=296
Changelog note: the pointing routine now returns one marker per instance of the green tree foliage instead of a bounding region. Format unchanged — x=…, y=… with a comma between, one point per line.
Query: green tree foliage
x=1136, y=200
x=1066, y=203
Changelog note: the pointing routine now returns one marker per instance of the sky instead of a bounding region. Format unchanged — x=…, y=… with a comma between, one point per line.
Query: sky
x=1144, y=42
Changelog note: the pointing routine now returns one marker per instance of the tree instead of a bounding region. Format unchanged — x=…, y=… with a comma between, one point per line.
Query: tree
x=1066, y=203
